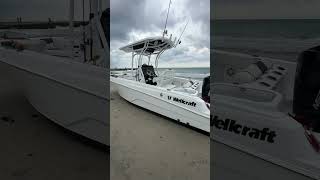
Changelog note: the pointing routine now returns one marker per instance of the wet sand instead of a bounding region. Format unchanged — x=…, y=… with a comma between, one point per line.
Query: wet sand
x=145, y=145
x=33, y=147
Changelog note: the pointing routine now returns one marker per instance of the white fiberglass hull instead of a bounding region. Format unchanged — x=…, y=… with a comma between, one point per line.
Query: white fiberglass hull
x=65, y=95
x=76, y=110
x=277, y=154
x=256, y=121
x=161, y=101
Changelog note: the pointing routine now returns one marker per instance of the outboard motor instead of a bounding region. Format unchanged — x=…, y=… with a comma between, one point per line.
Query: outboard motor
x=306, y=99
x=206, y=89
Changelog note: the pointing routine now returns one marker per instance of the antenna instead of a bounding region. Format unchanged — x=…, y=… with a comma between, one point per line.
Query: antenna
x=165, y=25
x=178, y=42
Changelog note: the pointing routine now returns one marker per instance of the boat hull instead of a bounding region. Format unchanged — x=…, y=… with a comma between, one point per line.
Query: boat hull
x=76, y=110
x=157, y=100
x=256, y=120
x=64, y=95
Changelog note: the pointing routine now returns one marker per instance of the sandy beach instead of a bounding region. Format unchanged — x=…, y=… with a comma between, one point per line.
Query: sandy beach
x=228, y=164
x=33, y=147
x=145, y=145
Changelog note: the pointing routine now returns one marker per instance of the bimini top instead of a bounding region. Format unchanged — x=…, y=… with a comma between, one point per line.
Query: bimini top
x=148, y=46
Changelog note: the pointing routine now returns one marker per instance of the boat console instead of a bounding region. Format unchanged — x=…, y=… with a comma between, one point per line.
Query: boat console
x=149, y=74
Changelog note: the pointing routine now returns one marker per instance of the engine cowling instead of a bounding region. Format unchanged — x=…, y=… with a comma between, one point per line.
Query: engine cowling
x=206, y=89
x=306, y=99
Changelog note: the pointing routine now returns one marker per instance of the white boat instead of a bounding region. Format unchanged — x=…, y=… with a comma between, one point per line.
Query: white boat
x=64, y=78
x=184, y=100
x=269, y=108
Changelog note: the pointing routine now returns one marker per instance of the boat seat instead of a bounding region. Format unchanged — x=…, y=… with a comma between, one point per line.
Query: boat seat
x=169, y=86
x=164, y=78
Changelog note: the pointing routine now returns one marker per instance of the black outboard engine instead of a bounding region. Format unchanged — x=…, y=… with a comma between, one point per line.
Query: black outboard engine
x=206, y=89
x=306, y=99
x=149, y=74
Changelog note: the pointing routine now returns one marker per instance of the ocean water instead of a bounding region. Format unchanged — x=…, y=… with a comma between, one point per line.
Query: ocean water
x=194, y=73
x=282, y=38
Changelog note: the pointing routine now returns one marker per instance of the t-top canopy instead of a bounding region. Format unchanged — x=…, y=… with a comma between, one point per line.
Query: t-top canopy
x=148, y=46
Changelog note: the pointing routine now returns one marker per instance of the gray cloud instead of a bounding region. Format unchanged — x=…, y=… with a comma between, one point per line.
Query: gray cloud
x=125, y=15
x=265, y=9
x=134, y=19
x=42, y=9
x=133, y=14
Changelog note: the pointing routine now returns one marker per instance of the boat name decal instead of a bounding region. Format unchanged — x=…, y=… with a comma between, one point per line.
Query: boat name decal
x=232, y=126
x=182, y=101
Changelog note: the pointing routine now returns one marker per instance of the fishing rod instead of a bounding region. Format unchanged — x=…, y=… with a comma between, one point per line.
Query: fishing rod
x=179, y=41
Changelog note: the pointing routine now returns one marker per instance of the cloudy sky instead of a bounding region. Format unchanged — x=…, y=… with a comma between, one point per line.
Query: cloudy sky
x=135, y=19
x=265, y=9
x=132, y=20
x=41, y=10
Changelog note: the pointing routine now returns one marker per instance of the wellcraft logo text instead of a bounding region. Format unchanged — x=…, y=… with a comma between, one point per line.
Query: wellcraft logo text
x=182, y=101
x=232, y=126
